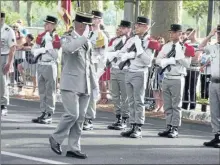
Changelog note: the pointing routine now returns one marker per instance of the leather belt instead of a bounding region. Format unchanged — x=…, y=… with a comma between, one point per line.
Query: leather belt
x=215, y=80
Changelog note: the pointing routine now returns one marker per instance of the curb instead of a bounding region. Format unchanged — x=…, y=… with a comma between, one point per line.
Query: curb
x=188, y=117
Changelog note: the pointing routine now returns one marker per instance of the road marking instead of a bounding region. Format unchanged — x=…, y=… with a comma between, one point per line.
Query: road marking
x=31, y=158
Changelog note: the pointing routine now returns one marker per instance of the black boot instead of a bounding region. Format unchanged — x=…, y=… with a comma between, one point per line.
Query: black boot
x=47, y=119
x=214, y=142
x=129, y=131
x=123, y=124
x=4, y=110
x=173, y=133
x=87, y=125
x=116, y=123
x=166, y=132
x=38, y=119
x=137, y=131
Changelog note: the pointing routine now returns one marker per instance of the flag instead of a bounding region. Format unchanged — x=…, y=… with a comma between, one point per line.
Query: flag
x=64, y=10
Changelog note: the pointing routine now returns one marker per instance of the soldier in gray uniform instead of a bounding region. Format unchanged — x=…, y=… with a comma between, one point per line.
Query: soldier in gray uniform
x=174, y=78
x=46, y=47
x=8, y=47
x=214, y=88
x=99, y=44
x=77, y=74
x=118, y=90
x=136, y=77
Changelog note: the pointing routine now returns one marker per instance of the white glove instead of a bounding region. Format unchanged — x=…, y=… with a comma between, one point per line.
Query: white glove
x=111, y=55
x=138, y=45
x=48, y=38
x=126, y=56
x=36, y=52
x=168, y=61
x=95, y=93
x=86, y=31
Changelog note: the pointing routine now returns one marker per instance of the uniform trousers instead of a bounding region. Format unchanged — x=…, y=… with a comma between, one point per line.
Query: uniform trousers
x=47, y=77
x=172, y=95
x=135, y=87
x=75, y=105
x=4, y=82
x=214, y=99
x=118, y=91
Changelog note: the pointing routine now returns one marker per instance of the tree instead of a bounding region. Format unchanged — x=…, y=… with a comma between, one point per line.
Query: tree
x=16, y=4
x=145, y=8
x=28, y=16
x=196, y=9
x=165, y=13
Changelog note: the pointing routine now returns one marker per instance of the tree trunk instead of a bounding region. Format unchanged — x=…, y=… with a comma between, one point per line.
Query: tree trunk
x=145, y=8
x=197, y=26
x=16, y=4
x=165, y=13
x=28, y=16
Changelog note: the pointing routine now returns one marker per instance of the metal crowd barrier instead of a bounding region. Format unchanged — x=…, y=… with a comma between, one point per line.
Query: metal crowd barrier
x=196, y=84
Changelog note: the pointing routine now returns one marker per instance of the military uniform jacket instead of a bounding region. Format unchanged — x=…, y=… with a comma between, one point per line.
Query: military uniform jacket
x=181, y=61
x=8, y=39
x=214, y=52
x=98, y=53
x=78, y=74
x=142, y=61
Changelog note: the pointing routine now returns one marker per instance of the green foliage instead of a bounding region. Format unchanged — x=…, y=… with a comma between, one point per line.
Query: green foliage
x=119, y=4
x=11, y=17
x=196, y=8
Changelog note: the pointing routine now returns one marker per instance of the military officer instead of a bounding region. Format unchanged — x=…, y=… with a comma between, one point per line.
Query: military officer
x=99, y=43
x=174, y=78
x=75, y=86
x=46, y=48
x=118, y=90
x=136, y=76
x=8, y=47
x=214, y=89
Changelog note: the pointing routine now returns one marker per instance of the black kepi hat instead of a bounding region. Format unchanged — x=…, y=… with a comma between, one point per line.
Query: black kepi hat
x=84, y=18
x=2, y=15
x=97, y=14
x=125, y=23
x=51, y=19
x=143, y=20
x=175, y=27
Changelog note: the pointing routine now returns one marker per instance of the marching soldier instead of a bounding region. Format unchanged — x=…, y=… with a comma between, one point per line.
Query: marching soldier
x=136, y=77
x=46, y=50
x=214, y=89
x=75, y=86
x=118, y=90
x=8, y=47
x=174, y=78
x=99, y=43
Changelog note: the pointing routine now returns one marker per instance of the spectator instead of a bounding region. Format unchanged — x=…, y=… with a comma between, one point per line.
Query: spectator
x=189, y=97
x=205, y=71
x=19, y=55
x=26, y=65
x=21, y=28
x=156, y=83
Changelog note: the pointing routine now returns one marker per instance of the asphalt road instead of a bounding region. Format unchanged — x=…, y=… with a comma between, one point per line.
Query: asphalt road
x=23, y=142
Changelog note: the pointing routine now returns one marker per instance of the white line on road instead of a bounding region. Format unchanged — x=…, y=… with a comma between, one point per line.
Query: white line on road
x=31, y=158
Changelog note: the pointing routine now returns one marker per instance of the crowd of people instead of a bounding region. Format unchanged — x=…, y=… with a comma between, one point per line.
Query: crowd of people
x=131, y=61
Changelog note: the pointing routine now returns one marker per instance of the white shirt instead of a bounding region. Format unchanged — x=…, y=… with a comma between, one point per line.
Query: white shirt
x=214, y=52
x=144, y=61
x=181, y=62
x=8, y=39
x=98, y=53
